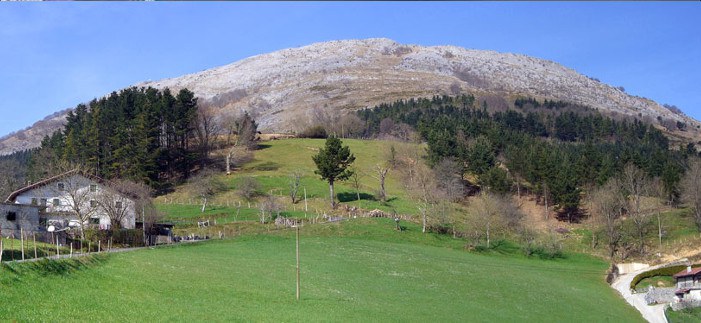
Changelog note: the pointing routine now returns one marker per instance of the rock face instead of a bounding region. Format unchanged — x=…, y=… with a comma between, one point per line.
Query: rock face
x=280, y=88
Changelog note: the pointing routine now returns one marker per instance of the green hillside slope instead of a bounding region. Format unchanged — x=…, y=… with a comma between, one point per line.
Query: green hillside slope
x=252, y=278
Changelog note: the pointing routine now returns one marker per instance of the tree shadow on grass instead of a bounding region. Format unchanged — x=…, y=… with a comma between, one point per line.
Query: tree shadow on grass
x=267, y=166
x=352, y=196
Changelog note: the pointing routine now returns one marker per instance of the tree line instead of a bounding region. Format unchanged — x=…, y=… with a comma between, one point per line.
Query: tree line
x=555, y=149
x=141, y=134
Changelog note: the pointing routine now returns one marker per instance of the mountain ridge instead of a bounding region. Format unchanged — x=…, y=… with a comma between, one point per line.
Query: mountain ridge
x=283, y=87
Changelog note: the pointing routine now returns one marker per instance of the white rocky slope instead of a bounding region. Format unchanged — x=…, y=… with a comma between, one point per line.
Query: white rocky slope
x=280, y=87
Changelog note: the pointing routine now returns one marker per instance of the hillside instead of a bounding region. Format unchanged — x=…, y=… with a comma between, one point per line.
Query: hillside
x=283, y=87
x=344, y=277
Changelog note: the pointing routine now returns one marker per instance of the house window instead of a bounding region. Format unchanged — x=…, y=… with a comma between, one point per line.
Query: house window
x=11, y=216
x=118, y=204
x=42, y=202
x=93, y=188
x=93, y=203
x=95, y=220
x=61, y=187
x=34, y=201
x=57, y=202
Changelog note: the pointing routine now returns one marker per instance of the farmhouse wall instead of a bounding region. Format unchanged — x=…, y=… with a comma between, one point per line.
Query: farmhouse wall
x=15, y=218
x=44, y=197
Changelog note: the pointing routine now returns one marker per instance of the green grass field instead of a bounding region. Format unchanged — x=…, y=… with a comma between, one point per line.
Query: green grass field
x=275, y=160
x=356, y=271
x=684, y=316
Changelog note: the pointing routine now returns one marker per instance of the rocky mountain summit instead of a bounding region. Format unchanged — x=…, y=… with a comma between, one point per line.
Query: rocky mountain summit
x=282, y=87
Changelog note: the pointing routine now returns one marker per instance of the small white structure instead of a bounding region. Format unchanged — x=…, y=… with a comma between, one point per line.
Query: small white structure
x=688, y=284
x=74, y=196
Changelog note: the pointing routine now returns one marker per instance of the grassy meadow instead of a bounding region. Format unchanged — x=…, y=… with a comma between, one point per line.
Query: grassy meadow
x=359, y=270
x=354, y=270
x=272, y=165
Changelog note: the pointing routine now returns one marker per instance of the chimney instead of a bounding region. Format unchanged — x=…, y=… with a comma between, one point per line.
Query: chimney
x=688, y=268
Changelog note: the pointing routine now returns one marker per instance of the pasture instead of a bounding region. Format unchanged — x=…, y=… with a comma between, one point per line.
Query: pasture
x=360, y=270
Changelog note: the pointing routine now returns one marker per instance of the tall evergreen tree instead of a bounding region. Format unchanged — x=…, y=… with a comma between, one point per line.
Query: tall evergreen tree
x=332, y=163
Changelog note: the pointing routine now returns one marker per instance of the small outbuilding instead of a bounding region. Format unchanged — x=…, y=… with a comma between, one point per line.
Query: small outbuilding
x=688, y=284
x=17, y=218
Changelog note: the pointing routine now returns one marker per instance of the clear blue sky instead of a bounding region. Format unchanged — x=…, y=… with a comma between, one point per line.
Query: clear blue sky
x=56, y=55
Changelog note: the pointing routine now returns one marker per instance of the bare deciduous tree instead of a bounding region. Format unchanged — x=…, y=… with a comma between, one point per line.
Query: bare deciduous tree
x=355, y=181
x=205, y=185
x=120, y=199
x=485, y=217
x=607, y=204
x=421, y=184
x=636, y=185
x=295, y=184
x=206, y=129
x=351, y=126
x=245, y=128
x=449, y=178
x=75, y=193
x=380, y=173
x=248, y=188
x=691, y=189
x=268, y=207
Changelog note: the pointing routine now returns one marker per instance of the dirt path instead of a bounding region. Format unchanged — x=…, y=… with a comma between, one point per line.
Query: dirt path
x=654, y=313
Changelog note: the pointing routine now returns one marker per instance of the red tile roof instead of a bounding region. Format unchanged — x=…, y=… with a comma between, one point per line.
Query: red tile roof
x=685, y=273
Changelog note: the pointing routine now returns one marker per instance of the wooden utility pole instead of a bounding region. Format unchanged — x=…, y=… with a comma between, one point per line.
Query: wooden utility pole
x=143, y=222
x=297, y=244
x=21, y=239
x=305, y=200
x=659, y=227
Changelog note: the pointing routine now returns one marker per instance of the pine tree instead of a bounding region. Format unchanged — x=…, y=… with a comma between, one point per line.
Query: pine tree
x=332, y=163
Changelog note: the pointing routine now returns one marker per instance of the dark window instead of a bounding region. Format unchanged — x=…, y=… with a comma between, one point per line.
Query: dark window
x=93, y=203
x=43, y=202
x=93, y=187
x=11, y=216
x=95, y=220
x=118, y=205
x=61, y=186
x=34, y=201
x=57, y=202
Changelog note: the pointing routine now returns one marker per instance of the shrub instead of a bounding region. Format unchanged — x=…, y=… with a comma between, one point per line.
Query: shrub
x=313, y=132
x=547, y=248
x=665, y=271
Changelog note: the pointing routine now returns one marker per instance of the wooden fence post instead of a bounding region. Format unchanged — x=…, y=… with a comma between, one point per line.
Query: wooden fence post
x=21, y=239
x=34, y=238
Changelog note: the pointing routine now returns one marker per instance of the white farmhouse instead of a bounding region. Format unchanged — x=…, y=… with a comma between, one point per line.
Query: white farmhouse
x=78, y=199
